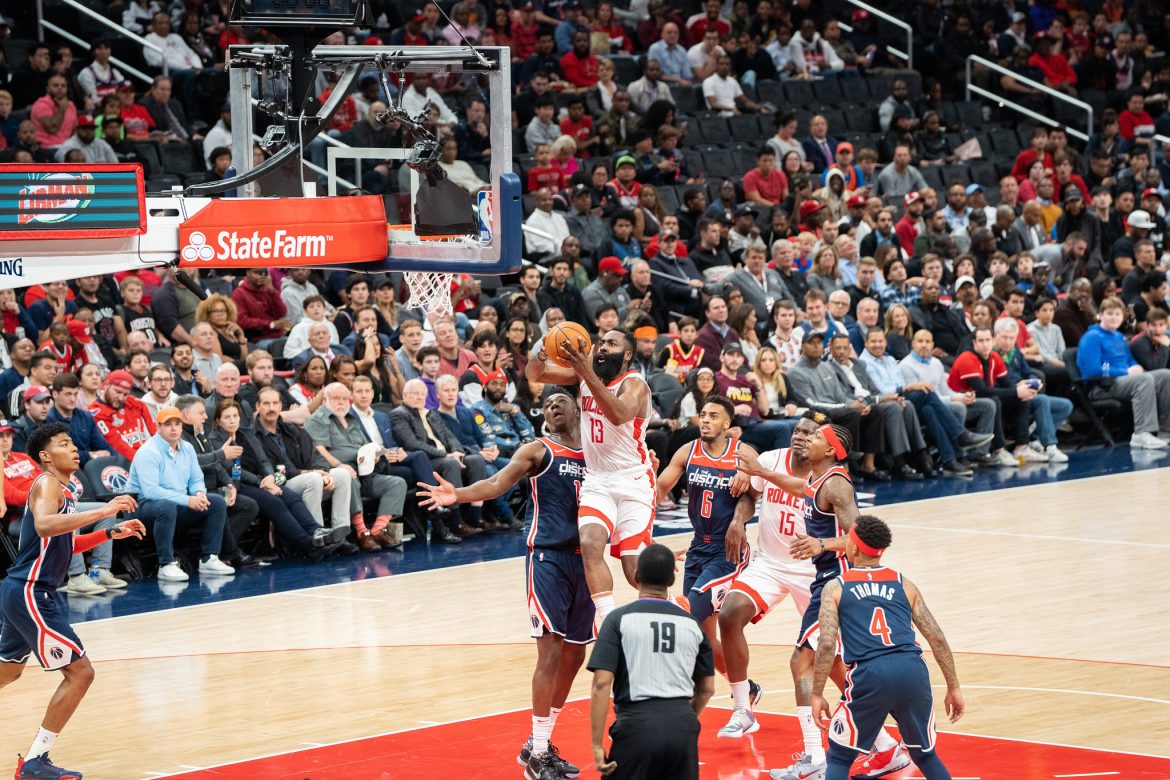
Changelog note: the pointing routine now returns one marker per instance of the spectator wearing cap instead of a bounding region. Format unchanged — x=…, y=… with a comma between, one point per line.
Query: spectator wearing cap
x=95, y=149
x=168, y=480
x=36, y=402
x=126, y=421
x=843, y=164
x=899, y=178
x=977, y=201
x=750, y=399
x=1139, y=225
x=910, y=225
x=744, y=231
x=583, y=221
x=53, y=116
x=607, y=288
x=1015, y=36
x=1151, y=203
x=42, y=368
x=82, y=429
x=553, y=229
x=1082, y=221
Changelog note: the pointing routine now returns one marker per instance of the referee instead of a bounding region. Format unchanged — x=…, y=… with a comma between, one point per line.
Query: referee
x=664, y=672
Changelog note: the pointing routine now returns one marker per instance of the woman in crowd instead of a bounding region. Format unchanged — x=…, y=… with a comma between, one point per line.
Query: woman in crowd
x=824, y=274
x=564, y=155
x=388, y=309
x=649, y=215
x=899, y=331
x=742, y=319
x=91, y=384
x=517, y=343
x=343, y=370
x=310, y=381
x=609, y=37
x=260, y=481
x=219, y=311
x=933, y=147
x=529, y=399
x=599, y=97
x=372, y=361
x=781, y=404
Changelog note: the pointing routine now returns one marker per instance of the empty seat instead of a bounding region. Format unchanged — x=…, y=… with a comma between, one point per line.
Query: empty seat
x=956, y=173
x=687, y=100
x=747, y=128
x=799, y=93
x=772, y=92
x=827, y=91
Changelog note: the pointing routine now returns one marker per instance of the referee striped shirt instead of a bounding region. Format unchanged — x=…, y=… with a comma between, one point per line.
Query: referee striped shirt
x=654, y=649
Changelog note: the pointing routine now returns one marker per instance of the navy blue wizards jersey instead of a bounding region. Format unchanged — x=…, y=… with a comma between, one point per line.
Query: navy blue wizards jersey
x=554, y=494
x=821, y=524
x=875, y=615
x=43, y=561
x=709, y=500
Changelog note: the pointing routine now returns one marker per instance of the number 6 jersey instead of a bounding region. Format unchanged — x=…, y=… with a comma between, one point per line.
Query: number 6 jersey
x=610, y=447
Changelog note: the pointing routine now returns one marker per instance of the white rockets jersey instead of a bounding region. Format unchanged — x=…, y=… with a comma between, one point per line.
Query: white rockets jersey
x=610, y=447
x=781, y=512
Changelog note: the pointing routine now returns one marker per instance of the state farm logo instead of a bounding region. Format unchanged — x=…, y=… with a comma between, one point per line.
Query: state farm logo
x=274, y=245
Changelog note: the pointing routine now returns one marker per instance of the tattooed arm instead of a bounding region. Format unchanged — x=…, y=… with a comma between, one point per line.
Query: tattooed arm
x=925, y=622
x=838, y=491
x=826, y=652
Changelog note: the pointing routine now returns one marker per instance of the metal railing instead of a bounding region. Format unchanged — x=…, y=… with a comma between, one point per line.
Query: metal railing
x=116, y=28
x=1009, y=103
x=907, y=55
x=126, y=67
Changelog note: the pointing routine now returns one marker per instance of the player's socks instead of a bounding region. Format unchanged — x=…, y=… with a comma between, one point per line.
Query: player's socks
x=553, y=712
x=603, y=603
x=739, y=694
x=42, y=744
x=812, y=735
x=541, y=732
x=884, y=741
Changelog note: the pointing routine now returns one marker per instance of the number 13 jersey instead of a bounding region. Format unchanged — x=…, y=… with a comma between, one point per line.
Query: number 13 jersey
x=609, y=447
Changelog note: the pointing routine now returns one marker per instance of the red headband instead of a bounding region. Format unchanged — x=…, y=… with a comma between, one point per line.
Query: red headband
x=872, y=552
x=834, y=442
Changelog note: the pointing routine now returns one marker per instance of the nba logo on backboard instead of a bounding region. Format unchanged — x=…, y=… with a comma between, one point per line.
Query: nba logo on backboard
x=486, y=209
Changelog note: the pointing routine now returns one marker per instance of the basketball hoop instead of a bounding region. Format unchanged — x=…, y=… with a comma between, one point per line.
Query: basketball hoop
x=429, y=291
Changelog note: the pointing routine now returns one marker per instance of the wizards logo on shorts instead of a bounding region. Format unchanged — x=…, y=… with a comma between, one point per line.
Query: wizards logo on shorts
x=115, y=478
x=57, y=653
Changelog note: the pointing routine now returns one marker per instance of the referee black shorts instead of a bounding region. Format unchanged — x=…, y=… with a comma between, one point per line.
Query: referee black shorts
x=656, y=739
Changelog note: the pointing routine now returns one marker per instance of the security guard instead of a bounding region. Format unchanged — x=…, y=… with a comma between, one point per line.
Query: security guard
x=664, y=671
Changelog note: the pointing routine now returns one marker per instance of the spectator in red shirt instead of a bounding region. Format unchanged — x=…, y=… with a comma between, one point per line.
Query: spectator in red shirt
x=261, y=310
x=1135, y=119
x=136, y=120
x=546, y=173
x=579, y=126
x=698, y=24
x=982, y=371
x=578, y=64
x=1058, y=74
x=1038, y=150
x=20, y=471
x=909, y=225
x=124, y=420
x=764, y=185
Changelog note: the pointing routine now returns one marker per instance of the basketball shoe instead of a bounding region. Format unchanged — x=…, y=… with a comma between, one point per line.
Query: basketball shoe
x=755, y=694
x=41, y=768
x=742, y=723
x=564, y=767
x=541, y=768
x=881, y=763
x=803, y=769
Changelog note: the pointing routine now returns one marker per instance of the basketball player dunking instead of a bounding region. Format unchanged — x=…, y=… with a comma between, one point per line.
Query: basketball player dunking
x=558, y=596
x=718, y=511
x=772, y=574
x=617, y=497
x=830, y=509
x=874, y=610
x=35, y=615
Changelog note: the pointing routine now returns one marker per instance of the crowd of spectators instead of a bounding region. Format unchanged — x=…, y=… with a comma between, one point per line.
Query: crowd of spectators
x=773, y=210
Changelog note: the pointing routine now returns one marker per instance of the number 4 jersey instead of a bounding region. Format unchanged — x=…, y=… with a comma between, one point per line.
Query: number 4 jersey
x=610, y=447
x=874, y=614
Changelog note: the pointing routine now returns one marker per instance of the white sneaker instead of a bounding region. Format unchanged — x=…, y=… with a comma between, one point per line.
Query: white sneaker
x=803, y=769
x=1029, y=455
x=107, y=580
x=82, y=585
x=741, y=724
x=1004, y=458
x=214, y=566
x=172, y=573
x=1055, y=455
x=1147, y=441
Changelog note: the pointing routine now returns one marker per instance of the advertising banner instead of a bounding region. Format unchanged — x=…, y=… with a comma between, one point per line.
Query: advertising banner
x=71, y=201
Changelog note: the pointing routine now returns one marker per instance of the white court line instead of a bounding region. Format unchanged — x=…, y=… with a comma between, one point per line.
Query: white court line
x=1018, y=535
x=1060, y=690
x=1089, y=774
x=307, y=594
x=316, y=744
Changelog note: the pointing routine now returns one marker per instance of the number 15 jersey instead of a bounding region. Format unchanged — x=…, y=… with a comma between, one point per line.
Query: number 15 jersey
x=609, y=447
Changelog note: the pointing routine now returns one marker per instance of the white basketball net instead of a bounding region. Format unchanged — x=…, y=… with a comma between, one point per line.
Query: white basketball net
x=429, y=291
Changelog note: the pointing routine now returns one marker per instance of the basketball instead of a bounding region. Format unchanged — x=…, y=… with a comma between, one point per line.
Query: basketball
x=561, y=333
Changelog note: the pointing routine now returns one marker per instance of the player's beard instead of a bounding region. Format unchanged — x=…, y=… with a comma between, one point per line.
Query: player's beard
x=608, y=366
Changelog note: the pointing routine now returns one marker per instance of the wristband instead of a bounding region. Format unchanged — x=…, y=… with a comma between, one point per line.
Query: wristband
x=110, y=533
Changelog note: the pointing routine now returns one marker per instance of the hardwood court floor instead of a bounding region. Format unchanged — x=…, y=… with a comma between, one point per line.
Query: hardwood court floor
x=1052, y=596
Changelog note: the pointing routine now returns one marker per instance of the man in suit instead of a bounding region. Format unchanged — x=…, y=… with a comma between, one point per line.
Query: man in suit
x=903, y=434
x=760, y=285
x=319, y=345
x=1029, y=228
x=167, y=113
x=820, y=148
x=417, y=429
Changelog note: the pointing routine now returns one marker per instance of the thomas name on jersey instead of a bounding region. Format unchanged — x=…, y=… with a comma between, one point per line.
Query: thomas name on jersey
x=877, y=589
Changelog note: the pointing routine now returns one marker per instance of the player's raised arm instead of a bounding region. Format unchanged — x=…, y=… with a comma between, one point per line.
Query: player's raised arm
x=826, y=651
x=46, y=499
x=749, y=463
x=924, y=621
x=524, y=461
x=671, y=474
x=541, y=369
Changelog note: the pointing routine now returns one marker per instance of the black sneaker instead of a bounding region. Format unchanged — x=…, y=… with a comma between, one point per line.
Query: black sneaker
x=755, y=694
x=564, y=767
x=541, y=768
